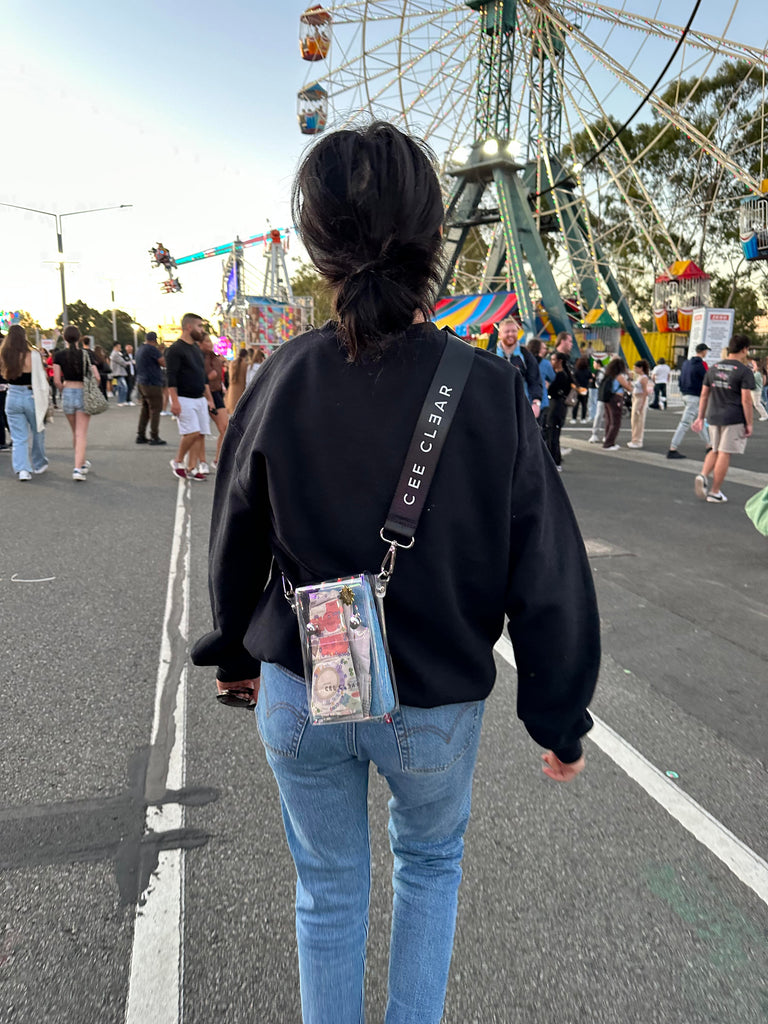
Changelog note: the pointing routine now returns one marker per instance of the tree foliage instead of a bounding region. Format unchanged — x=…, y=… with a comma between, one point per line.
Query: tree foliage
x=99, y=325
x=687, y=200
x=306, y=280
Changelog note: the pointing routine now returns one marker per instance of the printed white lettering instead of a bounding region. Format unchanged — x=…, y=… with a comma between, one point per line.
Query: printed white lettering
x=418, y=470
x=445, y=390
x=425, y=450
x=433, y=435
x=433, y=418
x=441, y=406
x=406, y=497
x=415, y=484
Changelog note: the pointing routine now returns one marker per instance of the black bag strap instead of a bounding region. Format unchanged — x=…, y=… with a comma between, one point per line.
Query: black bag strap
x=432, y=428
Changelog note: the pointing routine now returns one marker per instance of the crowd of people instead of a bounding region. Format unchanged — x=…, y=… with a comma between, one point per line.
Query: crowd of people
x=719, y=403
x=33, y=384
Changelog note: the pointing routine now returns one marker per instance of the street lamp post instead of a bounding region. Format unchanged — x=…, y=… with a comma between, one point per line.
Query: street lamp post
x=59, y=242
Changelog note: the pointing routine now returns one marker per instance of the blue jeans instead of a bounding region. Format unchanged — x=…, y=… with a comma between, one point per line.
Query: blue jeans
x=22, y=423
x=428, y=758
x=690, y=413
x=122, y=390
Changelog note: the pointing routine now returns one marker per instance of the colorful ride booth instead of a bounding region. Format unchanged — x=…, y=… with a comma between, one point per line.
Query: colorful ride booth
x=678, y=290
x=269, y=323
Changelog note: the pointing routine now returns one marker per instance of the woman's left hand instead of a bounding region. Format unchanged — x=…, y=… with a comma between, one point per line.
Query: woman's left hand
x=243, y=693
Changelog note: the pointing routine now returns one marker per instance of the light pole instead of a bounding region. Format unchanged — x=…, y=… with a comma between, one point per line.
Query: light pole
x=60, y=251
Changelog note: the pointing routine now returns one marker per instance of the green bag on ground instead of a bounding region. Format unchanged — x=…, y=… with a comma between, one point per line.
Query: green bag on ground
x=757, y=510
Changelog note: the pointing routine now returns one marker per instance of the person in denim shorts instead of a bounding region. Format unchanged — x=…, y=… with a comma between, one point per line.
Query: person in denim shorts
x=69, y=368
x=309, y=466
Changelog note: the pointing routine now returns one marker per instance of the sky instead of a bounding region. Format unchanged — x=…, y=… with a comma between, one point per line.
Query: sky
x=185, y=111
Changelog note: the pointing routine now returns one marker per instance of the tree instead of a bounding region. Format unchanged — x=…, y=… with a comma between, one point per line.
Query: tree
x=690, y=202
x=305, y=280
x=744, y=300
x=99, y=325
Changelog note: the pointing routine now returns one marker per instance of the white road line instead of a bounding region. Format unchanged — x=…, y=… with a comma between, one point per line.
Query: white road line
x=750, y=868
x=155, y=991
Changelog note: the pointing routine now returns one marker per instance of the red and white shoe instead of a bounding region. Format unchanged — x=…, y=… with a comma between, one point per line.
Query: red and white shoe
x=178, y=469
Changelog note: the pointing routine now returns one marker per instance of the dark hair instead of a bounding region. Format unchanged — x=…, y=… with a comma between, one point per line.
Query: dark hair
x=13, y=352
x=662, y=361
x=99, y=354
x=738, y=343
x=187, y=317
x=71, y=335
x=369, y=211
x=561, y=357
x=615, y=367
x=644, y=365
x=534, y=346
x=582, y=363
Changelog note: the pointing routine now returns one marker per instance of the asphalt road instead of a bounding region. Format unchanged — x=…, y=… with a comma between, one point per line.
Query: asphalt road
x=585, y=904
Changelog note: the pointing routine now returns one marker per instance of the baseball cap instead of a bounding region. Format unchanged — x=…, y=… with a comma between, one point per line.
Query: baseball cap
x=151, y=336
x=703, y=348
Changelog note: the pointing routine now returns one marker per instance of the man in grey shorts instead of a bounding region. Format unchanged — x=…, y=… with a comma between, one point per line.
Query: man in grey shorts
x=726, y=403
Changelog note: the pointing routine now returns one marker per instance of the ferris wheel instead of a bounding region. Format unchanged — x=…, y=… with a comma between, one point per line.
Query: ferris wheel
x=522, y=102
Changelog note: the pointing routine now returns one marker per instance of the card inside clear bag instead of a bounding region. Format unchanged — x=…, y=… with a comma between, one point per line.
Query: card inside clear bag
x=347, y=665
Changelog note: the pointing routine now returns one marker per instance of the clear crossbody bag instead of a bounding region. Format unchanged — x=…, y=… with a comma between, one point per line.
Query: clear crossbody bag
x=347, y=664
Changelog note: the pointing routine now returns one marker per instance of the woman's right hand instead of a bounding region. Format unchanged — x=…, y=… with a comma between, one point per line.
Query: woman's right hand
x=559, y=770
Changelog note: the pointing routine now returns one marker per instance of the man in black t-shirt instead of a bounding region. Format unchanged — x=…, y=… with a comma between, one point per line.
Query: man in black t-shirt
x=726, y=403
x=191, y=401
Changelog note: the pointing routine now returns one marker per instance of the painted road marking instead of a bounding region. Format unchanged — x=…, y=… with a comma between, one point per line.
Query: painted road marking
x=750, y=868
x=155, y=991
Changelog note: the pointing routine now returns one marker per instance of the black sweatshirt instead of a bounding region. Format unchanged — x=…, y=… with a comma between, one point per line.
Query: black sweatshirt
x=307, y=472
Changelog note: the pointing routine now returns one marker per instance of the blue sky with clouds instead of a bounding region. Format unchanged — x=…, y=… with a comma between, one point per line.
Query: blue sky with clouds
x=186, y=110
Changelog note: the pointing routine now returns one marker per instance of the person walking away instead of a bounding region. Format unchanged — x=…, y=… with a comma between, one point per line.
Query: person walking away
x=149, y=377
x=692, y=375
x=23, y=412
x=237, y=379
x=191, y=401
x=757, y=393
x=119, y=371
x=764, y=372
x=4, y=446
x=101, y=362
x=660, y=377
x=582, y=378
x=214, y=369
x=368, y=205
x=258, y=358
x=70, y=365
x=538, y=349
x=612, y=390
x=641, y=390
x=559, y=389
x=509, y=348
x=726, y=404
x=51, y=382
x=130, y=374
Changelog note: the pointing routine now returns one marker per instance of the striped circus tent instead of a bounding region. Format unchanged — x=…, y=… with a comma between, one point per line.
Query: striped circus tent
x=474, y=314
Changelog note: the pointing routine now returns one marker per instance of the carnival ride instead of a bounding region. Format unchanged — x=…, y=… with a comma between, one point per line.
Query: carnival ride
x=239, y=319
x=514, y=98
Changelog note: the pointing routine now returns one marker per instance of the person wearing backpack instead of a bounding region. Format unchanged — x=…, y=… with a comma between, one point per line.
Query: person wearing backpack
x=692, y=375
x=612, y=391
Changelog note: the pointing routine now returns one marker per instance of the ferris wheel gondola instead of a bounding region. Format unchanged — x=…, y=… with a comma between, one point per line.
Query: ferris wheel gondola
x=753, y=224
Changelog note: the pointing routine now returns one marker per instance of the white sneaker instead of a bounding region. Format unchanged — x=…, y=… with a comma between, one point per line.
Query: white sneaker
x=24, y=475
x=204, y=468
x=633, y=444
x=42, y=469
x=565, y=451
x=79, y=475
x=700, y=486
x=595, y=440
x=612, y=448
x=719, y=497
x=559, y=468
x=85, y=467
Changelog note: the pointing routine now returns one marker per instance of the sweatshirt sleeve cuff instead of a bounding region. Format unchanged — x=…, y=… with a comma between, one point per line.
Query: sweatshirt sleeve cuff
x=570, y=753
x=233, y=664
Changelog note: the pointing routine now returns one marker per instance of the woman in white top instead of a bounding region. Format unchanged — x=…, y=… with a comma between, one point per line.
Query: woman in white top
x=660, y=377
x=641, y=390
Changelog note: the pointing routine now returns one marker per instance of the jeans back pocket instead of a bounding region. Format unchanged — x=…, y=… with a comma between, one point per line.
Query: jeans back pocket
x=282, y=714
x=433, y=739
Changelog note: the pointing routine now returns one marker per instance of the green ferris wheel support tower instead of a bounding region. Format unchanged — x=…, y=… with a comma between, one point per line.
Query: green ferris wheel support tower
x=496, y=158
